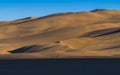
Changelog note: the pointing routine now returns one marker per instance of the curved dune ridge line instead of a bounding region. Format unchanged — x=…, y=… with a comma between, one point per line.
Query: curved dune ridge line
x=63, y=35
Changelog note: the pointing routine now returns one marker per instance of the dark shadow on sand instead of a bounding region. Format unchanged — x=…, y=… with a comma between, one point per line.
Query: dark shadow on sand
x=103, y=32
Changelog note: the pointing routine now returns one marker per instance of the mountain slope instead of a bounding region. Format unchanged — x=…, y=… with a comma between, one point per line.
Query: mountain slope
x=64, y=35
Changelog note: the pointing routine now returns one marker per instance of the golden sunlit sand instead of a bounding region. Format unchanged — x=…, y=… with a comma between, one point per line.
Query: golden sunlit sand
x=64, y=35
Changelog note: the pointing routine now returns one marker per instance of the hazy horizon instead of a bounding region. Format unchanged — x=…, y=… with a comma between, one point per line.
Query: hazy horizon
x=16, y=9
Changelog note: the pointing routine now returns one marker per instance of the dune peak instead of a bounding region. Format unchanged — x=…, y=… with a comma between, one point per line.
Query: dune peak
x=100, y=10
x=72, y=34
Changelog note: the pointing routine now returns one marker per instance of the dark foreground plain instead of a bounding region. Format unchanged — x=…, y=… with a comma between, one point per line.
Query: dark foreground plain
x=101, y=66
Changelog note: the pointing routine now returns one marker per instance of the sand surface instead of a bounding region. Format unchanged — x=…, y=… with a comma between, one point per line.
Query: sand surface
x=64, y=35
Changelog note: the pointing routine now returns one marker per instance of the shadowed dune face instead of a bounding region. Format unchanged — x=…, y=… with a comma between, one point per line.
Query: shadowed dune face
x=103, y=32
x=64, y=35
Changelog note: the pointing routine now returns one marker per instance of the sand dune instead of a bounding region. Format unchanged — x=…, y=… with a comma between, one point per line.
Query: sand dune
x=64, y=35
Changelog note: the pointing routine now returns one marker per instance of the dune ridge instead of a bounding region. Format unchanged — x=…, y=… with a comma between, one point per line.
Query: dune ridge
x=93, y=33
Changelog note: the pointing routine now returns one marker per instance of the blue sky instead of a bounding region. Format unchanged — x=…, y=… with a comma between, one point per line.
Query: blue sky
x=15, y=9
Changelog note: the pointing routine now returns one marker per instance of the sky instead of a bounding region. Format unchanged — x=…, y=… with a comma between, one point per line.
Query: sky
x=17, y=9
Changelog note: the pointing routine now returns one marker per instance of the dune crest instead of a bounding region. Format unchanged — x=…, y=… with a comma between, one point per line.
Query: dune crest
x=63, y=35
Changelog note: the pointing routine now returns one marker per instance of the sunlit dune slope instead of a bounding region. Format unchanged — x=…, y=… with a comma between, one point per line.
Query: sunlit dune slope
x=62, y=35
